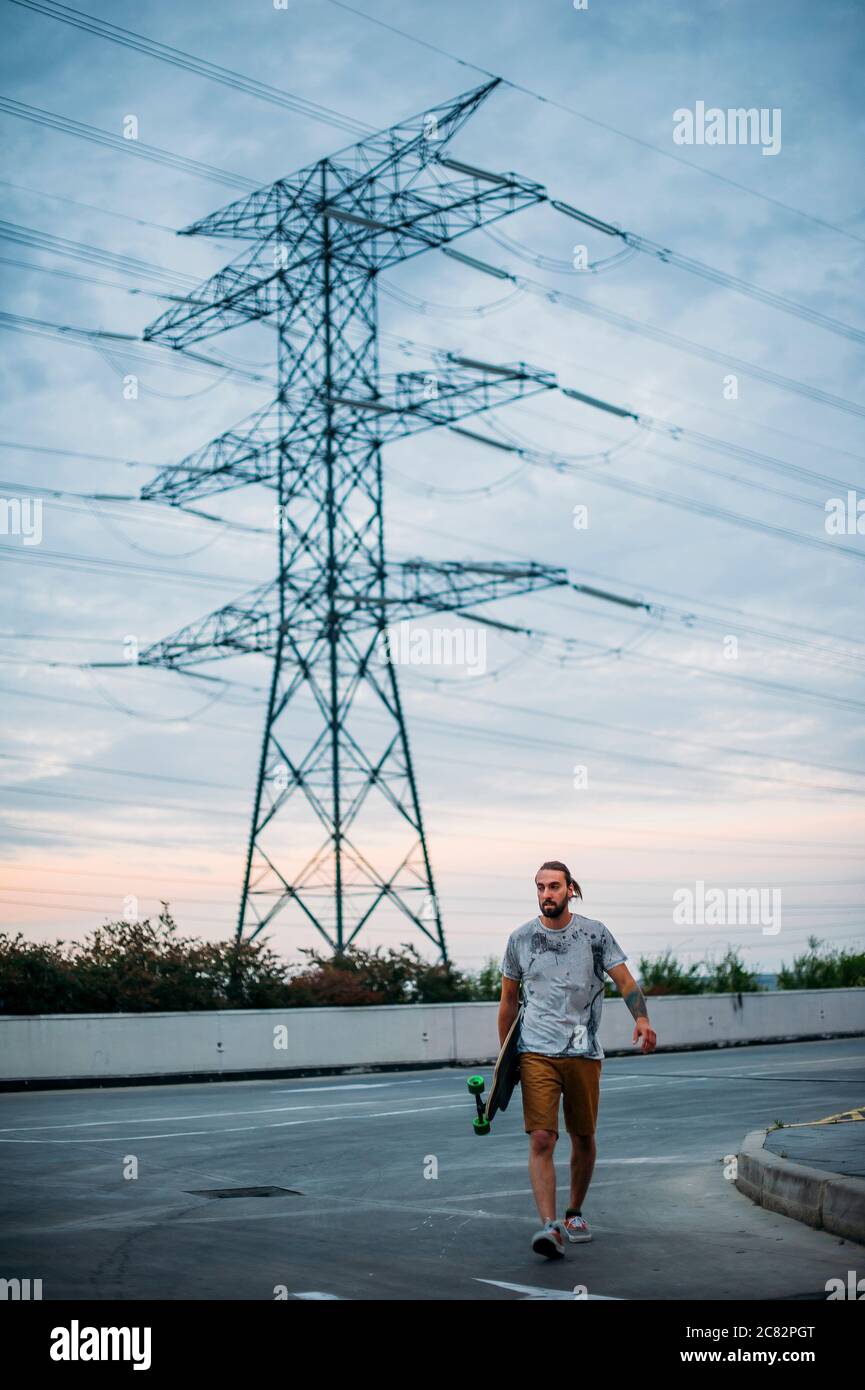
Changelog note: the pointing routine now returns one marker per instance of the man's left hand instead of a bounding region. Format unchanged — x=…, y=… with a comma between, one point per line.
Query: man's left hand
x=643, y=1029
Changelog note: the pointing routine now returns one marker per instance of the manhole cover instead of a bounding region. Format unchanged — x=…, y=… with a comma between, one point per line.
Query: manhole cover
x=243, y=1192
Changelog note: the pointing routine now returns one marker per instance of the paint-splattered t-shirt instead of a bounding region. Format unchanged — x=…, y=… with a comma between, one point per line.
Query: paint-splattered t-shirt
x=562, y=972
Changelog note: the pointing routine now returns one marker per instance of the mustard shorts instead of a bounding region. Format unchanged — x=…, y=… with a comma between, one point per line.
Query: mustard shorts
x=543, y=1080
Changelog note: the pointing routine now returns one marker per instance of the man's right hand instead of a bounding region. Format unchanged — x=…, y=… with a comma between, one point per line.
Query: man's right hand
x=509, y=1007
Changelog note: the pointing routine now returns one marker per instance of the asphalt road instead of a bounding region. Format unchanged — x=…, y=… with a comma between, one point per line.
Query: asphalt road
x=365, y=1218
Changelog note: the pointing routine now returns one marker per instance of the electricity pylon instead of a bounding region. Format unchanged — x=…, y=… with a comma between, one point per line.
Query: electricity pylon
x=321, y=237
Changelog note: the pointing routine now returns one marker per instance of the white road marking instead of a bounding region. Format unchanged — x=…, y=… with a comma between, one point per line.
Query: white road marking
x=739, y=1072
x=344, y=1086
x=537, y=1292
x=473, y=1196
x=321, y=1297
x=236, y=1129
x=662, y=1158
x=600, y=1163
x=319, y=1208
x=204, y=1115
x=645, y=1084
x=610, y=1081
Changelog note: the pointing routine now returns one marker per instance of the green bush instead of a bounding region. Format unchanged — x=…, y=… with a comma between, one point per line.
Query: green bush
x=144, y=967
x=137, y=967
x=824, y=967
x=376, y=977
x=664, y=975
x=486, y=983
x=35, y=977
x=729, y=976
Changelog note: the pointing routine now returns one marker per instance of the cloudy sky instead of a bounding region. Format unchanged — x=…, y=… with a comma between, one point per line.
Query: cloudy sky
x=715, y=739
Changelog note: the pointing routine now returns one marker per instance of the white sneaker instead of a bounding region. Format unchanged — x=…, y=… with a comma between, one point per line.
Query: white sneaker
x=549, y=1241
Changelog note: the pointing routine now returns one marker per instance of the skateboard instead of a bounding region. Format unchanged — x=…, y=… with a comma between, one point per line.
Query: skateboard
x=506, y=1076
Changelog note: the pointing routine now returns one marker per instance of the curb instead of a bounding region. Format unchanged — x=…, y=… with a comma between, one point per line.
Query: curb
x=822, y=1199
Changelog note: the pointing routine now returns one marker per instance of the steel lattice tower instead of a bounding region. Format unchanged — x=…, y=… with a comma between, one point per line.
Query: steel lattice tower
x=321, y=236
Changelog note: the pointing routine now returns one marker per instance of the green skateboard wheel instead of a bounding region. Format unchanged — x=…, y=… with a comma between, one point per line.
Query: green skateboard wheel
x=481, y=1126
x=475, y=1084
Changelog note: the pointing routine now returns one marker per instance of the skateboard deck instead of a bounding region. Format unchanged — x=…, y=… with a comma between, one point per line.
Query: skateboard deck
x=506, y=1075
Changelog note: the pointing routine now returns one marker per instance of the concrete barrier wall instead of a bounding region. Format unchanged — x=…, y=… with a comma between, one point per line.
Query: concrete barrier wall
x=76, y=1047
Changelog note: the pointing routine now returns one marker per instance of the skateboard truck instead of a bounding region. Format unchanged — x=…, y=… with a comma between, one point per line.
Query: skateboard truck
x=506, y=1076
x=476, y=1087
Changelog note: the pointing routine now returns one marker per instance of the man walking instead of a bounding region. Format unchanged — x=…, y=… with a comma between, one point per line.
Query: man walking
x=561, y=959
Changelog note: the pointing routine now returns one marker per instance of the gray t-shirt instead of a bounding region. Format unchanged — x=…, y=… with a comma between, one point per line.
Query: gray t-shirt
x=562, y=970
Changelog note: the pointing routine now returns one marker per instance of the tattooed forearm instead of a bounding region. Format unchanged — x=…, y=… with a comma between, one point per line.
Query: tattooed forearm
x=636, y=1002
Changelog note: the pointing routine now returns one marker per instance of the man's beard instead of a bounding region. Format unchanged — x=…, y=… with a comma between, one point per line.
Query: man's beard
x=554, y=911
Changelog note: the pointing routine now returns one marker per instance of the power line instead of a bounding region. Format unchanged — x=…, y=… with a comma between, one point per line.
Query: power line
x=715, y=275
x=826, y=852
x=87, y=838
x=603, y=125
x=97, y=564
x=78, y=454
x=67, y=126
x=196, y=807
x=463, y=730
x=596, y=575
x=825, y=655
x=200, y=66
x=655, y=910
x=661, y=912
x=654, y=249
x=34, y=238
x=835, y=849
x=47, y=242
x=83, y=279
x=207, y=881
x=131, y=344
x=503, y=736
x=264, y=531
x=543, y=262
x=91, y=207
x=119, y=772
x=669, y=339
x=61, y=560
x=849, y=658
x=676, y=434
x=563, y=463
x=500, y=736
x=154, y=511
x=590, y=368
x=637, y=243
x=604, y=478
x=673, y=431
x=619, y=484
x=760, y=460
